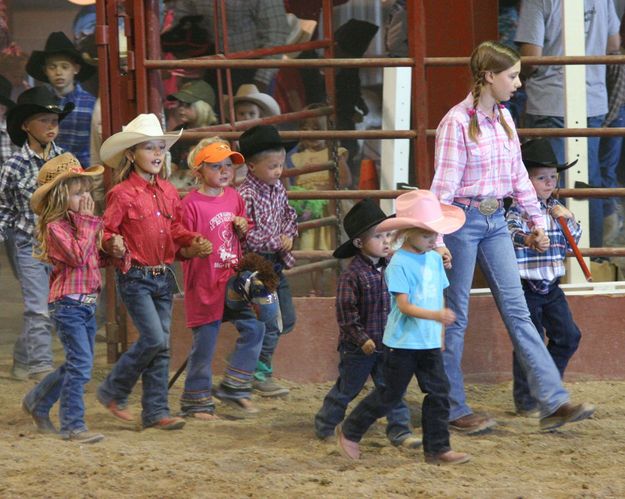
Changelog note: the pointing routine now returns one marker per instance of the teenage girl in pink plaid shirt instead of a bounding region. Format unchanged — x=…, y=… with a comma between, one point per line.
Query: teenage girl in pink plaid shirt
x=477, y=164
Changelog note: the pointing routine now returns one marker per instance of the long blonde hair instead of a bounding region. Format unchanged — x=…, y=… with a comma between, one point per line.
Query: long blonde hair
x=55, y=207
x=486, y=57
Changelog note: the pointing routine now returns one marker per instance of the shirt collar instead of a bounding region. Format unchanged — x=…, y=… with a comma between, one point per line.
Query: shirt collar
x=258, y=183
x=382, y=262
x=139, y=182
x=481, y=115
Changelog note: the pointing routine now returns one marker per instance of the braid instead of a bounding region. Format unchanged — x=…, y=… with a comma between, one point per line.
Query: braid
x=504, y=124
x=474, y=126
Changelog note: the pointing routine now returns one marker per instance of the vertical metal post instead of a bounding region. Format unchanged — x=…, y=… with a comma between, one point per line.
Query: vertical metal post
x=415, y=11
x=575, y=116
x=152, y=30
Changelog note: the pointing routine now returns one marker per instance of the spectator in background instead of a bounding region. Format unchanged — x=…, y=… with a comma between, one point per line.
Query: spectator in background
x=61, y=65
x=540, y=33
x=252, y=24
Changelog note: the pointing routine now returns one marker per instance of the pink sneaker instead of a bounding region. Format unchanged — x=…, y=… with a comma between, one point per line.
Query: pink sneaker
x=347, y=448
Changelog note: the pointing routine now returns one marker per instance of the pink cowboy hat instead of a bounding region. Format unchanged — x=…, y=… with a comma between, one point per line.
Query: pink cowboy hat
x=421, y=208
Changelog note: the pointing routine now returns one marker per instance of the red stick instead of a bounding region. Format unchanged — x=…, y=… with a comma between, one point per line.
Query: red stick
x=573, y=245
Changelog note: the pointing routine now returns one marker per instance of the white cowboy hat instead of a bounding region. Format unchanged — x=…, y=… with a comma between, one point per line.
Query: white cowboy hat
x=143, y=128
x=301, y=31
x=249, y=93
x=82, y=2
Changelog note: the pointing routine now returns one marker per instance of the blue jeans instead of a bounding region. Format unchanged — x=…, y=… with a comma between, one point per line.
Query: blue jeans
x=609, y=157
x=238, y=376
x=148, y=299
x=75, y=325
x=399, y=367
x=287, y=312
x=486, y=239
x=354, y=369
x=595, y=205
x=33, y=348
x=551, y=314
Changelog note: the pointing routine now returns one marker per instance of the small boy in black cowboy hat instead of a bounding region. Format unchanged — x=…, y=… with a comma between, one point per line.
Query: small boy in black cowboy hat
x=271, y=235
x=362, y=307
x=33, y=124
x=541, y=269
x=61, y=66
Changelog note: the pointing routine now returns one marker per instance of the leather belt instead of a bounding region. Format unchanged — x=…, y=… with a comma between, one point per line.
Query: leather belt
x=153, y=270
x=486, y=206
x=89, y=299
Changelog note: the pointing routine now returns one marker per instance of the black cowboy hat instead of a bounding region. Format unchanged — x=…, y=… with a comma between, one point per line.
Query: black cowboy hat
x=30, y=102
x=5, y=92
x=57, y=43
x=363, y=215
x=354, y=36
x=538, y=153
x=258, y=139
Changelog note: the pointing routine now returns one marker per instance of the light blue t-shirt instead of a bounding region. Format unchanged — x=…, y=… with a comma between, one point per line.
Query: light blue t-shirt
x=422, y=277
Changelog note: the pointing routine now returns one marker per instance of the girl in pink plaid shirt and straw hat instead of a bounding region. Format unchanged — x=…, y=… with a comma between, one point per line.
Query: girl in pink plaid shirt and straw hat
x=477, y=164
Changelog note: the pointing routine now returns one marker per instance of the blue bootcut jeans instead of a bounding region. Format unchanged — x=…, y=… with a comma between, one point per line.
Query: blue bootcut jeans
x=287, y=313
x=595, y=173
x=609, y=157
x=76, y=327
x=486, y=239
x=550, y=313
x=399, y=367
x=354, y=370
x=148, y=299
x=33, y=348
x=242, y=363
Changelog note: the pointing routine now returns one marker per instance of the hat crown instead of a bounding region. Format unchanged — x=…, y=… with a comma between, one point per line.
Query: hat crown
x=361, y=217
x=59, y=165
x=39, y=96
x=539, y=151
x=145, y=124
x=247, y=89
x=421, y=205
x=58, y=42
x=258, y=139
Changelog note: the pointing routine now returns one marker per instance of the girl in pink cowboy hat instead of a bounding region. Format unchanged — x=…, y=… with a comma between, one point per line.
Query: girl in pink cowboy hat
x=412, y=337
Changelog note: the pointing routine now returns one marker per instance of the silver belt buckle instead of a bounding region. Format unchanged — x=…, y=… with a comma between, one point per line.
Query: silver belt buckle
x=488, y=206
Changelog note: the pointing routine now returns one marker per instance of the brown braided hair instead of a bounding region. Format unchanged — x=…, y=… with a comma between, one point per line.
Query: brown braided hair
x=489, y=56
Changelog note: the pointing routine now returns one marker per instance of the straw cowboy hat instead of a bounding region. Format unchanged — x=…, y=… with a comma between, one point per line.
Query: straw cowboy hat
x=422, y=209
x=143, y=128
x=363, y=215
x=248, y=92
x=57, y=43
x=30, y=102
x=56, y=170
x=301, y=31
x=538, y=153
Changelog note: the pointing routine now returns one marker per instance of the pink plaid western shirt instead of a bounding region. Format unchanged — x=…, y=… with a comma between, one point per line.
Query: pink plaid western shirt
x=491, y=167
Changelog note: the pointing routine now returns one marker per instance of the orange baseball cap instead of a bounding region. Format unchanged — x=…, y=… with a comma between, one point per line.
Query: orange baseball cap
x=216, y=152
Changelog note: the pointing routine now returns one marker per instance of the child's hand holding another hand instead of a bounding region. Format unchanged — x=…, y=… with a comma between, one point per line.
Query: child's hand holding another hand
x=115, y=246
x=199, y=248
x=287, y=242
x=368, y=347
x=240, y=225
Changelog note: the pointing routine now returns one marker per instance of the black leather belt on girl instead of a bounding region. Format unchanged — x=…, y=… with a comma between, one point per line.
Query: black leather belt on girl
x=486, y=206
x=153, y=270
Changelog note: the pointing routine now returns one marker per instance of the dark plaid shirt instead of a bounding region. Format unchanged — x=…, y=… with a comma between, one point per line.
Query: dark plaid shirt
x=362, y=302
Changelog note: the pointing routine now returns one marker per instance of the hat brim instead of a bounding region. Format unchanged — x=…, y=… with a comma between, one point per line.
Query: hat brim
x=37, y=60
x=7, y=102
x=21, y=112
x=347, y=249
x=453, y=218
x=558, y=167
x=266, y=103
x=114, y=148
x=237, y=159
x=39, y=196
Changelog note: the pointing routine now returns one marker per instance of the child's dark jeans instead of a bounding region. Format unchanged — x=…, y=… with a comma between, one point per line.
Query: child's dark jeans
x=550, y=314
x=399, y=367
x=354, y=368
x=76, y=327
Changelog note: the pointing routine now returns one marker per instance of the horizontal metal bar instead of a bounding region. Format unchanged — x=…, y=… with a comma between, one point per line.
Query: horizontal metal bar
x=304, y=134
x=310, y=267
x=600, y=252
x=294, y=172
x=318, y=222
x=560, y=132
x=546, y=60
x=312, y=254
x=381, y=62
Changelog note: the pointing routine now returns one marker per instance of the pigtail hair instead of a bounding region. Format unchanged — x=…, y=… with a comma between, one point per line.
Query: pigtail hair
x=474, y=125
x=504, y=124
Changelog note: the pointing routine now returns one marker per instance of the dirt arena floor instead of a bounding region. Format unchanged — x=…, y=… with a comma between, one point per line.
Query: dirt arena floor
x=276, y=455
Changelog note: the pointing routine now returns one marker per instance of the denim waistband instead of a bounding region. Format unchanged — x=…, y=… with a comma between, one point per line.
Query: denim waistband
x=87, y=299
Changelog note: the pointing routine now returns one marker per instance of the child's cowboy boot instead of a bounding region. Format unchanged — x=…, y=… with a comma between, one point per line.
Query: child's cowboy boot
x=264, y=384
